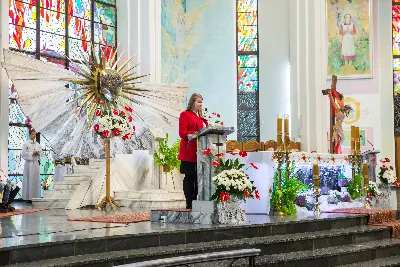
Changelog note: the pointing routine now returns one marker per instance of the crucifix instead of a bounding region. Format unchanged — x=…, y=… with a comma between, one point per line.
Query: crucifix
x=337, y=113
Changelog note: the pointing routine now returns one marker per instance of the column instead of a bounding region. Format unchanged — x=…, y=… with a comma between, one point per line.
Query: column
x=308, y=73
x=3, y=87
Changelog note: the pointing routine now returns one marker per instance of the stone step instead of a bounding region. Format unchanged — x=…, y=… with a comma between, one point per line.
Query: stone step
x=151, y=203
x=58, y=193
x=150, y=194
x=349, y=241
x=54, y=203
x=381, y=262
x=334, y=256
x=80, y=178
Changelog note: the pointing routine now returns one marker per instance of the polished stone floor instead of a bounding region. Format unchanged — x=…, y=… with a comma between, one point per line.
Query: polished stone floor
x=53, y=225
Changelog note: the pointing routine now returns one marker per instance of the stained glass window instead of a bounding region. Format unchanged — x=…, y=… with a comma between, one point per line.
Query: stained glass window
x=247, y=71
x=396, y=63
x=51, y=30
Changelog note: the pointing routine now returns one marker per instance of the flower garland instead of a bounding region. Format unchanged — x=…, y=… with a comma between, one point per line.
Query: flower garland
x=114, y=124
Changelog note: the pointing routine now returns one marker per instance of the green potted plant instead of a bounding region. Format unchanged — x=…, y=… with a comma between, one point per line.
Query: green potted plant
x=167, y=156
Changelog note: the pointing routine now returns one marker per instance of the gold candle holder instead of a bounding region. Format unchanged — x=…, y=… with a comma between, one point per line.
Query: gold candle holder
x=366, y=185
x=316, y=187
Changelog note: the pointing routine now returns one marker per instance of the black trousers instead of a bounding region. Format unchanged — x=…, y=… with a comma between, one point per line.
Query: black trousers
x=190, y=189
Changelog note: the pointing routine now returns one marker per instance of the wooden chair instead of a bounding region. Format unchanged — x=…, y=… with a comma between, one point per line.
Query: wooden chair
x=252, y=146
x=231, y=145
x=270, y=144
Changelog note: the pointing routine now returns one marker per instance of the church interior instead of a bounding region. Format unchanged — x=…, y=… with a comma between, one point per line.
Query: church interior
x=200, y=133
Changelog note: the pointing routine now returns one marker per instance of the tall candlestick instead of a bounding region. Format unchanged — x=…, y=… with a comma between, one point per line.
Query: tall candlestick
x=357, y=136
x=279, y=124
x=316, y=169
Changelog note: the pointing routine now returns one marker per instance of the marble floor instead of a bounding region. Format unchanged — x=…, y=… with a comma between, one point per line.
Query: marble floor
x=53, y=225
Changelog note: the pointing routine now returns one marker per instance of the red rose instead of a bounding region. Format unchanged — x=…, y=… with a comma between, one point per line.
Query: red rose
x=116, y=132
x=222, y=123
x=218, y=116
x=127, y=108
x=224, y=196
x=391, y=167
x=219, y=155
x=246, y=192
x=243, y=154
x=105, y=133
x=95, y=100
x=134, y=128
x=98, y=112
x=96, y=127
x=102, y=102
x=115, y=112
x=130, y=118
x=206, y=152
x=387, y=160
x=122, y=113
x=257, y=194
x=215, y=163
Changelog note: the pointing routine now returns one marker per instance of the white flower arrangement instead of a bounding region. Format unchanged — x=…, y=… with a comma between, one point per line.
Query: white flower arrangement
x=233, y=178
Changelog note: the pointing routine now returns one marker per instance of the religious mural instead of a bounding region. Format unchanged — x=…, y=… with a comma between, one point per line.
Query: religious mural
x=349, y=38
x=178, y=35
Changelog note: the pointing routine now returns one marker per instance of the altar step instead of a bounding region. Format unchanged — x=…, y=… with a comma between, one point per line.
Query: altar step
x=322, y=242
x=385, y=262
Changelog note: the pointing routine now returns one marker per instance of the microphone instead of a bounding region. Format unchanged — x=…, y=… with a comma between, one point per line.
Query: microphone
x=368, y=142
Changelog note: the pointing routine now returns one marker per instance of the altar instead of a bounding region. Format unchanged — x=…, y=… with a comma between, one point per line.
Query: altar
x=331, y=166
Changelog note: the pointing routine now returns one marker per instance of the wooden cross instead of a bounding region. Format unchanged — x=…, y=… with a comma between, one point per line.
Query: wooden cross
x=332, y=120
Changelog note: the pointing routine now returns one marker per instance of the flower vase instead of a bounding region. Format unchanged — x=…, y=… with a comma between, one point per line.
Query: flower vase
x=229, y=212
x=385, y=196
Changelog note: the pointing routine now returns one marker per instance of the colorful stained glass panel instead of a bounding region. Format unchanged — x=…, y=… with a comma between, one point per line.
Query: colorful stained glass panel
x=79, y=28
x=247, y=38
x=80, y=8
x=52, y=21
x=22, y=14
x=104, y=14
x=56, y=5
x=396, y=82
x=247, y=61
x=111, y=2
x=104, y=34
x=22, y=38
x=247, y=5
x=52, y=44
x=77, y=48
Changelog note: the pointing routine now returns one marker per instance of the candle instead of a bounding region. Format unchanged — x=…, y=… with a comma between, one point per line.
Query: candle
x=316, y=169
x=357, y=136
x=279, y=124
x=352, y=141
x=286, y=125
x=366, y=174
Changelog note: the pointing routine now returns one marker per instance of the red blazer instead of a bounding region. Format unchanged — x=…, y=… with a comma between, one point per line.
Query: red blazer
x=187, y=125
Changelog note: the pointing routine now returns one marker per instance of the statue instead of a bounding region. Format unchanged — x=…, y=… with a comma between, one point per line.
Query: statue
x=340, y=111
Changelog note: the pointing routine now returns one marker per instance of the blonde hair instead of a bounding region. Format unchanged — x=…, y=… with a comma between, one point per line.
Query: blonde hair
x=193, y=99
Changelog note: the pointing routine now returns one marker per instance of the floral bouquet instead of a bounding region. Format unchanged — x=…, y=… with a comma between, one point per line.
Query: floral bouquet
x=386, y=174
x=214, y=119
x=113, y=124
x=230, y=180
x=343, y=181
x=373, y=190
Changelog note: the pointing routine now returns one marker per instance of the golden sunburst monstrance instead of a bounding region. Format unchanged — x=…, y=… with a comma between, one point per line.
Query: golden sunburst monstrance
x=103, y=82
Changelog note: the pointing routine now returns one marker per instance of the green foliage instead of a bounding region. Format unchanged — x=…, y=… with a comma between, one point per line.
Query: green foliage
x=227, y=165
x=167, y=156
x=282, y=199
x=355, y=189
x=361, y=62
x=335, y=61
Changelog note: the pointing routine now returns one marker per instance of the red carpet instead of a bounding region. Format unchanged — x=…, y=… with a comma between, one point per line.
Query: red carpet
x=121, y=218
x=377, y=218
x=19, y=212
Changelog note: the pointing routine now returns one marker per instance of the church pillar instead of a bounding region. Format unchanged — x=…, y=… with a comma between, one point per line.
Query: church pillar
x=3, y=87
x=308, y=73
x=139, y=32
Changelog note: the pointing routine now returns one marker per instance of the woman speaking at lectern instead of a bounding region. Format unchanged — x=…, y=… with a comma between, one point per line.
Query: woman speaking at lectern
x=190, y=121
